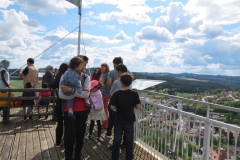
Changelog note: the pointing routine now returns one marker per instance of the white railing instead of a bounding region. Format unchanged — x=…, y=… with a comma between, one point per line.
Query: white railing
x=167, y=132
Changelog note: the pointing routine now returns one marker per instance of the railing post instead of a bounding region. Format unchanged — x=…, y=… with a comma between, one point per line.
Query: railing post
x=207, y=133
x=6, y=110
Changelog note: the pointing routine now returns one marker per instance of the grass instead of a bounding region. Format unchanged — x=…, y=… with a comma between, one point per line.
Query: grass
x=18, y=84
x=185, y=95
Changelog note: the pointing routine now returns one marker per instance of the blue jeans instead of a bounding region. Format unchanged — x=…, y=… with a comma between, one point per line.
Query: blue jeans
x=128, y=138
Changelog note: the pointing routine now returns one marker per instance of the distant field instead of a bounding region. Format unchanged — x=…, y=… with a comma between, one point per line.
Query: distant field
x=16, y=83
x=185, y=95
x=191, y=79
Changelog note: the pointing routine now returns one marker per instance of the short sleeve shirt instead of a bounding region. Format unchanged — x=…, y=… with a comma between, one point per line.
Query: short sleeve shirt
x=125, y=101
x=113, y=74
x=25, y=71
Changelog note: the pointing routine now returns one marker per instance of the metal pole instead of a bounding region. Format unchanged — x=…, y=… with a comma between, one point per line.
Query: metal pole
x=79, y=31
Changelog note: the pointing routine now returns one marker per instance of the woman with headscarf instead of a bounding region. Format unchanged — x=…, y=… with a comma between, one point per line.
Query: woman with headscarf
x=49, y=75
x=4, y=77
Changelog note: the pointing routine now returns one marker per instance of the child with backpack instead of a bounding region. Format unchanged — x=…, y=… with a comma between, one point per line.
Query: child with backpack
x=43, y=102
x=97, y=112
x=30, y=103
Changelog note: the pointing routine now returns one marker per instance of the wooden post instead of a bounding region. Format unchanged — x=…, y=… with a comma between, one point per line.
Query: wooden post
x=8, y=107
x=6, y=110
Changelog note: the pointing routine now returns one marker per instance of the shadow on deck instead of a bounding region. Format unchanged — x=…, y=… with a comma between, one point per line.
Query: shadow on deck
x=34, y=139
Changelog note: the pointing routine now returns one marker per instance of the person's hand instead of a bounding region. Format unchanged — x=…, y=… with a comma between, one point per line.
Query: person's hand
x=66, y=88
x=86, y=89
x=80, y=78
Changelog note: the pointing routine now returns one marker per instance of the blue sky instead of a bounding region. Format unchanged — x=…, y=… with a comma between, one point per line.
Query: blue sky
x=195, y=36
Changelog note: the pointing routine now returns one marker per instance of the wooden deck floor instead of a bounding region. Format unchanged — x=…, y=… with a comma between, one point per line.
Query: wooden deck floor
x=34, y=139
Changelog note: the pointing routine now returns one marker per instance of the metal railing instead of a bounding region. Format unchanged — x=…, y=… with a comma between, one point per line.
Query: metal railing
x=165, y=131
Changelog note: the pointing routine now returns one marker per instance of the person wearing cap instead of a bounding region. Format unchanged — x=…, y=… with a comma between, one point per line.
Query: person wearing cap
x=97, y=112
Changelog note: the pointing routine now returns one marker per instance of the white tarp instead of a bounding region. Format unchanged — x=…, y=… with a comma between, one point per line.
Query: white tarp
x=141, y=84
x=75, y=2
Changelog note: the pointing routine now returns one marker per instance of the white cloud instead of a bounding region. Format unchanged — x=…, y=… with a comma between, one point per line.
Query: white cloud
x=215, y=12
x=16, y=42
x=87, y=21
x=45, y=6
x=90, y=13
x=17, y=23
x=154, y=33
x=177, y=18
x=122, y=36
x=124, y=17
x=5, y=3
x=110, y=26
x=211, y=31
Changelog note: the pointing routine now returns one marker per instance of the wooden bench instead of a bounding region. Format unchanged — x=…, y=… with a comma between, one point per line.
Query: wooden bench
x=9, y=102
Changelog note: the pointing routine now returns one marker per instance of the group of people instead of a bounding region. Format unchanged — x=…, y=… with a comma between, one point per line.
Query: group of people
x=106, y=97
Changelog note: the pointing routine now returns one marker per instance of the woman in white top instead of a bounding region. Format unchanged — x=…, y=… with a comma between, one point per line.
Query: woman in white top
x=4, y=74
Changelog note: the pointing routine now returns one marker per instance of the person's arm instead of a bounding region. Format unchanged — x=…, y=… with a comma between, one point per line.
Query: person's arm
x=138, y=102
x=23, y=72
x=3, y=78
x=39, y=99
x=109, y=83
x=113, y=107
x=138, y=106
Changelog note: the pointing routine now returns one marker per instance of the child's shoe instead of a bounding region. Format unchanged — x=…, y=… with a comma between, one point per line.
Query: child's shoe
x=88, y=137
x=97, y=139
x=88, y=105
x=24, y=118
x=71, y=116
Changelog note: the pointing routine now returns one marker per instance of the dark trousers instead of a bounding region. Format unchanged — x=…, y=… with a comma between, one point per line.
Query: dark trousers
x=59, y=128
x=74, y=134
x=128, y=138
x=92, y=126
x=110, y=121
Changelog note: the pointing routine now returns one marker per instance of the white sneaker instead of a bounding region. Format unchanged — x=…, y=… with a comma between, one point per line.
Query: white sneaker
x=88, y=137
x=97, y=139
x=109, y=136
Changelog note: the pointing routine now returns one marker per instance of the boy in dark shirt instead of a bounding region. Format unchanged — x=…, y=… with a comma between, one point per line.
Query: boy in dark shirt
x=124, y=101
x=30, y=103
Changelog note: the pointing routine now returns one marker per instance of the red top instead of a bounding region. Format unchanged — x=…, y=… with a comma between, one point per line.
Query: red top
x=78, y=105
x=94, y=78
x=44, y=93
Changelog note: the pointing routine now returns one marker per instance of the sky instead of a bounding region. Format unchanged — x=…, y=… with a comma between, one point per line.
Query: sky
x=178, y=36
